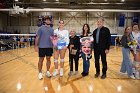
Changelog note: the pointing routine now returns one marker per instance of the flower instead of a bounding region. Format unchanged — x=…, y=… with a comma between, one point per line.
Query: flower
x=133, y=45
x=54, y=39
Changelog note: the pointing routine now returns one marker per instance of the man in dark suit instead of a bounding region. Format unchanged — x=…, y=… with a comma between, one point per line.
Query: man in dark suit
x=102, y=41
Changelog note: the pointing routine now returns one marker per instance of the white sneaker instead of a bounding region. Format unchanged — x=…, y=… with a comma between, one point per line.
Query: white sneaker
x=132, y=76
x=137, y=75
x=40, y=76
x=61, y=72
x=48, y=74
x=123, y=73
x=76, y=72
x=55, y=73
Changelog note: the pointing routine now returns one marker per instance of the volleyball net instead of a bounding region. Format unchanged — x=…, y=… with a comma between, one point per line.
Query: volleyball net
x=14, y=41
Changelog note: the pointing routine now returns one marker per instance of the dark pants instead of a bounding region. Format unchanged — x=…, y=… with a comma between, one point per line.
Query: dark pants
x=97, y=53
x=74, y=58
x=86, y=63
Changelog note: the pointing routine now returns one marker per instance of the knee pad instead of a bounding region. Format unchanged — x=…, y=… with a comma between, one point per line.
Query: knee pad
x=55, y=60
x=61, y=60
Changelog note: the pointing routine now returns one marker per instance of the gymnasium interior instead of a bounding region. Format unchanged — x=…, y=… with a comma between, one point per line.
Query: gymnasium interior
x=19, y=61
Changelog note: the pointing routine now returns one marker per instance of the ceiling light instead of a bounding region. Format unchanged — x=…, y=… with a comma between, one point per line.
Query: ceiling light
x=122, y=0
x=44, y=0
x=16, y=0
x=57, y=0
x=105, y=0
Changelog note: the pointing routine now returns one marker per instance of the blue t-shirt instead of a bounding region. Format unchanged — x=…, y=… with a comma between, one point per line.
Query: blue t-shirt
x=44, y=34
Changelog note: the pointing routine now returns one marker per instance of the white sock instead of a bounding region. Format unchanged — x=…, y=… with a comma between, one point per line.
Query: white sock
x=61, y=69
x=56, y=70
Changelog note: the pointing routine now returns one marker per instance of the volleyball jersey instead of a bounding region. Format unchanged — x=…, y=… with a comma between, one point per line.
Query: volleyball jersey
x=62, y=35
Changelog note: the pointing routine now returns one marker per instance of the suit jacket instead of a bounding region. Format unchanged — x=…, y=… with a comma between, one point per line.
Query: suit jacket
x=104, y=38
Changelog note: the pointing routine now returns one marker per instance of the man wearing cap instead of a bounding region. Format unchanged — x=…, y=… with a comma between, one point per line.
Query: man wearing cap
x=44, y=46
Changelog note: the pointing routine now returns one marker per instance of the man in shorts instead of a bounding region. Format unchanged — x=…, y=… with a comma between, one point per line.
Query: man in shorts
x=44, y=46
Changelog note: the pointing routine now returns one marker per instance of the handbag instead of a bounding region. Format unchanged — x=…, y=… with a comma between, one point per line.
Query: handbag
x=73, y=51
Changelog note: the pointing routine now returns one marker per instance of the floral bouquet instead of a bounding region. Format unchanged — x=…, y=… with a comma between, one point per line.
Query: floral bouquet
x=133, y=45
x=54, y=39
x=58, y=41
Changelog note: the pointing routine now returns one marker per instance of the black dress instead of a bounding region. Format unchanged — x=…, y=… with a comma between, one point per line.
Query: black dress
x=76, y=42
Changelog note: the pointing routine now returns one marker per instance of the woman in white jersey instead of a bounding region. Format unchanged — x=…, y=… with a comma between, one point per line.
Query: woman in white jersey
x=61, y=50
x=135, y=36
x=135, y=32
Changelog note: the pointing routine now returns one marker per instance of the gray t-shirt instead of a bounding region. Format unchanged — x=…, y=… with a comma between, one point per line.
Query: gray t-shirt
x=44, y=34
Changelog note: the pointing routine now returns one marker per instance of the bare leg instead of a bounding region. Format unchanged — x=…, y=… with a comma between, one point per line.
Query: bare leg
x=48, y=63
x=62, y=55
x=56, y=55
x=40, y=64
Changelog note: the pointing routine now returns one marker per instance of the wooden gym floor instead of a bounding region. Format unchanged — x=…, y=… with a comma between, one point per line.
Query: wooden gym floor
x=18, y=74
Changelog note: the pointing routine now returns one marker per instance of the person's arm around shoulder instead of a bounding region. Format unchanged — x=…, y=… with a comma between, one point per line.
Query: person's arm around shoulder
x=67, y=39
x=69, y=43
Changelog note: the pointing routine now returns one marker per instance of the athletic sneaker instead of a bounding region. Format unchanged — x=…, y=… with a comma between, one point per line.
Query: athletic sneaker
x=48, y=74
x=70, y=73
x=40, y=76
x=137, y=75
x=122, y=73
x=76, y=72
x=61, y=72
x=132, y=76
x=55, y=73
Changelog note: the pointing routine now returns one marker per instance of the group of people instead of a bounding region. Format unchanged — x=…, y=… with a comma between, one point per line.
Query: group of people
x=128, y=67
x=44, y=46
x=101, y=45
x=22, y=41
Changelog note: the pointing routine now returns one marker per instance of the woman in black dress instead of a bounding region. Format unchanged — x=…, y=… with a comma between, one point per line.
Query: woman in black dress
x=74, y=47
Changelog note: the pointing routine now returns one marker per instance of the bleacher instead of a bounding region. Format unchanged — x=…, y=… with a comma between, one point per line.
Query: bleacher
x=13, y=41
